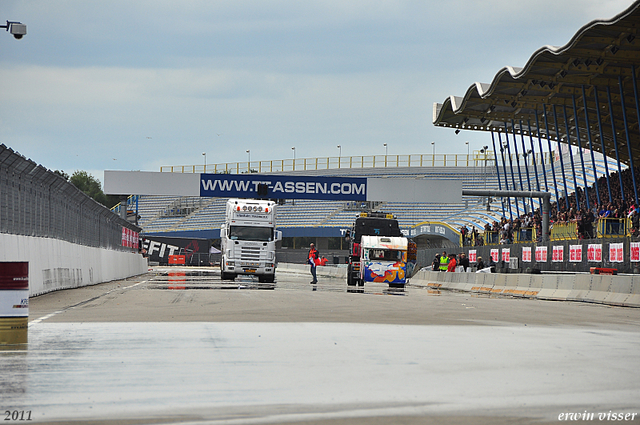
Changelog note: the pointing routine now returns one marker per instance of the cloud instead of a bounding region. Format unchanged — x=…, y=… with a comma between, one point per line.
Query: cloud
x=92, y=80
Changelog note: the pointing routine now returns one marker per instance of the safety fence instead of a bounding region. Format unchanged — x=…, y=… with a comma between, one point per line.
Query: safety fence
x=37, y=202
x=622, y=254
x=477, y=159
x=604, y=228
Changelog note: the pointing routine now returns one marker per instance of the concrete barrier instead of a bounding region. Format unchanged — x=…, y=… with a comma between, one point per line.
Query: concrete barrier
x=621, y=290
x=321, y=271
x=580, y=288
x=634, y=297
x=55, y=264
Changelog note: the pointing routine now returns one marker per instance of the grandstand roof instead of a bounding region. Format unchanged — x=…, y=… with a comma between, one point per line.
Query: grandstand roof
x=602, y=57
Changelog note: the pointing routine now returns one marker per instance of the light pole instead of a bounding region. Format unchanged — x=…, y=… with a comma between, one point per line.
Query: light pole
x=249, y=160
x=433, y=154
x=294, y=157
x=467, y=143
x=385, y=154
x=205, y=161
x=339, y=155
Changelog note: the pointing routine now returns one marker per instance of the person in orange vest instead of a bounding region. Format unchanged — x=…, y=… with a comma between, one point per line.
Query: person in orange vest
x=451, y=267
x=313, y=256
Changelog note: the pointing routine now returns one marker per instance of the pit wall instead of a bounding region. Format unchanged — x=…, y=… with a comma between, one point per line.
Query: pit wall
x=602, y=289
x=321, y=271
x=55, y=264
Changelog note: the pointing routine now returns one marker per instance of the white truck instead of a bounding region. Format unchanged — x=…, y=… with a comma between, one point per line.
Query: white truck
x=248, y=239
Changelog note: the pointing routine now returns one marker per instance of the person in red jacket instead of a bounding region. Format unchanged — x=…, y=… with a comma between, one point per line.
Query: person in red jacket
x=313, y=256
x=452, y=263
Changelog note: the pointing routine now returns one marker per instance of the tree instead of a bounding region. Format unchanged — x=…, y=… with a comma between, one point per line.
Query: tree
x=91, y=186
x=62, y=174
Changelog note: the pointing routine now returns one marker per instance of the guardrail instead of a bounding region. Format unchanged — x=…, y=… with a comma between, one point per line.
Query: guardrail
x=476, y=159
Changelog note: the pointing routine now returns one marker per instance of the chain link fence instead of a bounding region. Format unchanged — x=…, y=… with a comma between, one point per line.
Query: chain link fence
x=37, y=202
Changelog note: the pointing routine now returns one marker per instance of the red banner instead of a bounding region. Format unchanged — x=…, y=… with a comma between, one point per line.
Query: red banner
x=541, y=254
x=473, y=256
x=575, y=253
x=558, y=254
x=635, y=251
x=594, y=252
x=526, y=254
x=616, y=252
x=495, y=255
x=506, y=254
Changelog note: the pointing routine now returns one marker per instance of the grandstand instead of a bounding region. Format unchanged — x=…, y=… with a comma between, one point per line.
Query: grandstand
x=202, y=217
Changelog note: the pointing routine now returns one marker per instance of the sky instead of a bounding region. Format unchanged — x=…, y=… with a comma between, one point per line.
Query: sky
x=136, y=85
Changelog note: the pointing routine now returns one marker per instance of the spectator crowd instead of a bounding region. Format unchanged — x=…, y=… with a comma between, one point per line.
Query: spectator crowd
x=585, y=216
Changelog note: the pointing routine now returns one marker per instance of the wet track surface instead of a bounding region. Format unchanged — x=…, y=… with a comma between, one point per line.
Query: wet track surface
x=193, y=349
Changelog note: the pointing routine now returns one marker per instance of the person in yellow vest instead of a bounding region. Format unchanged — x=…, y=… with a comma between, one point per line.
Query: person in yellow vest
x=444, y=262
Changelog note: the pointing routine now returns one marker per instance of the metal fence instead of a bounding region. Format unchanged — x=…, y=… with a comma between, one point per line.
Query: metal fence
x=37, y=202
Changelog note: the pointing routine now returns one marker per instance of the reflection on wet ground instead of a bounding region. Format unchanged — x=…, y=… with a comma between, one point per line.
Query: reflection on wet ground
x=210, y=279
x=167, y=370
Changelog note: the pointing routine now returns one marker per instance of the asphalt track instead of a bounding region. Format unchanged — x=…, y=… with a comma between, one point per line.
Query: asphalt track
x=194, y=350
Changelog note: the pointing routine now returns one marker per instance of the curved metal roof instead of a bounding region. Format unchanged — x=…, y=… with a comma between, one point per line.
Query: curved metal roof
x=599, y=66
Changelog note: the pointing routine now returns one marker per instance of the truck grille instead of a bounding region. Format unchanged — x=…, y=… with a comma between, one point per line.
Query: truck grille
x=249, y=253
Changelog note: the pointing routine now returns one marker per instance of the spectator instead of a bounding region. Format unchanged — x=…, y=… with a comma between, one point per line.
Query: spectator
x=444, y=262
x=451, y=267
x=480, y=264
x=464, y=262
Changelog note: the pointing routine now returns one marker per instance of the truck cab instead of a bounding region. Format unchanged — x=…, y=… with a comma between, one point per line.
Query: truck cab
x=248, y=240
x=384, y=259
x=367, y=224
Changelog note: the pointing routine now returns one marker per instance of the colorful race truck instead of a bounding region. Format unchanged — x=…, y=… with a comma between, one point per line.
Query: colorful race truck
x=367, y=224
x=383, y=259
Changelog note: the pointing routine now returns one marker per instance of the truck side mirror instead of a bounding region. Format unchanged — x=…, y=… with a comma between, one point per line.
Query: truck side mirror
x=278, y=235
x=223, y=232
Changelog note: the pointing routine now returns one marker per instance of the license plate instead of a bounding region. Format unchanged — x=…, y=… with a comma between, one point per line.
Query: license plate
x=250, y=270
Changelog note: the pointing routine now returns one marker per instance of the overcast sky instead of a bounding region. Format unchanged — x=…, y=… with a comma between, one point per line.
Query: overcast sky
x=133, y=85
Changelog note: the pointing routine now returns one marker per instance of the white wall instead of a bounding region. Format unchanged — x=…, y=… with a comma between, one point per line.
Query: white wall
x=56, y=264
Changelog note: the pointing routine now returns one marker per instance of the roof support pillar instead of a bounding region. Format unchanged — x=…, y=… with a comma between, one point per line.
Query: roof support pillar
x=526, y=167
x=506, y=180
x=515, y=146
x=584, y=171
x=573, y=166
x=533, y=153
x=544, y=171
x=546, y=203
x=624, y=113
x=615, y=142
x=564, y=177
x=495, y=156
x=553, y=168
x=513, y=177
x=604, y=151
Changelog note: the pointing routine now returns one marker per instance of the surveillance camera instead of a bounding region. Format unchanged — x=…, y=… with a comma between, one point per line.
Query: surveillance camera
x=18, y=30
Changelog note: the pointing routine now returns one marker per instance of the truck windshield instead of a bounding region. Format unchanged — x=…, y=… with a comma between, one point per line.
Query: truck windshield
x=375, y=227
x=247, y=233
x=385, y=254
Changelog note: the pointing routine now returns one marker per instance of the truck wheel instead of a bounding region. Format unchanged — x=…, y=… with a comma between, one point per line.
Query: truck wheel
x=268, y=278
x=228, y=276
x=397, y=285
